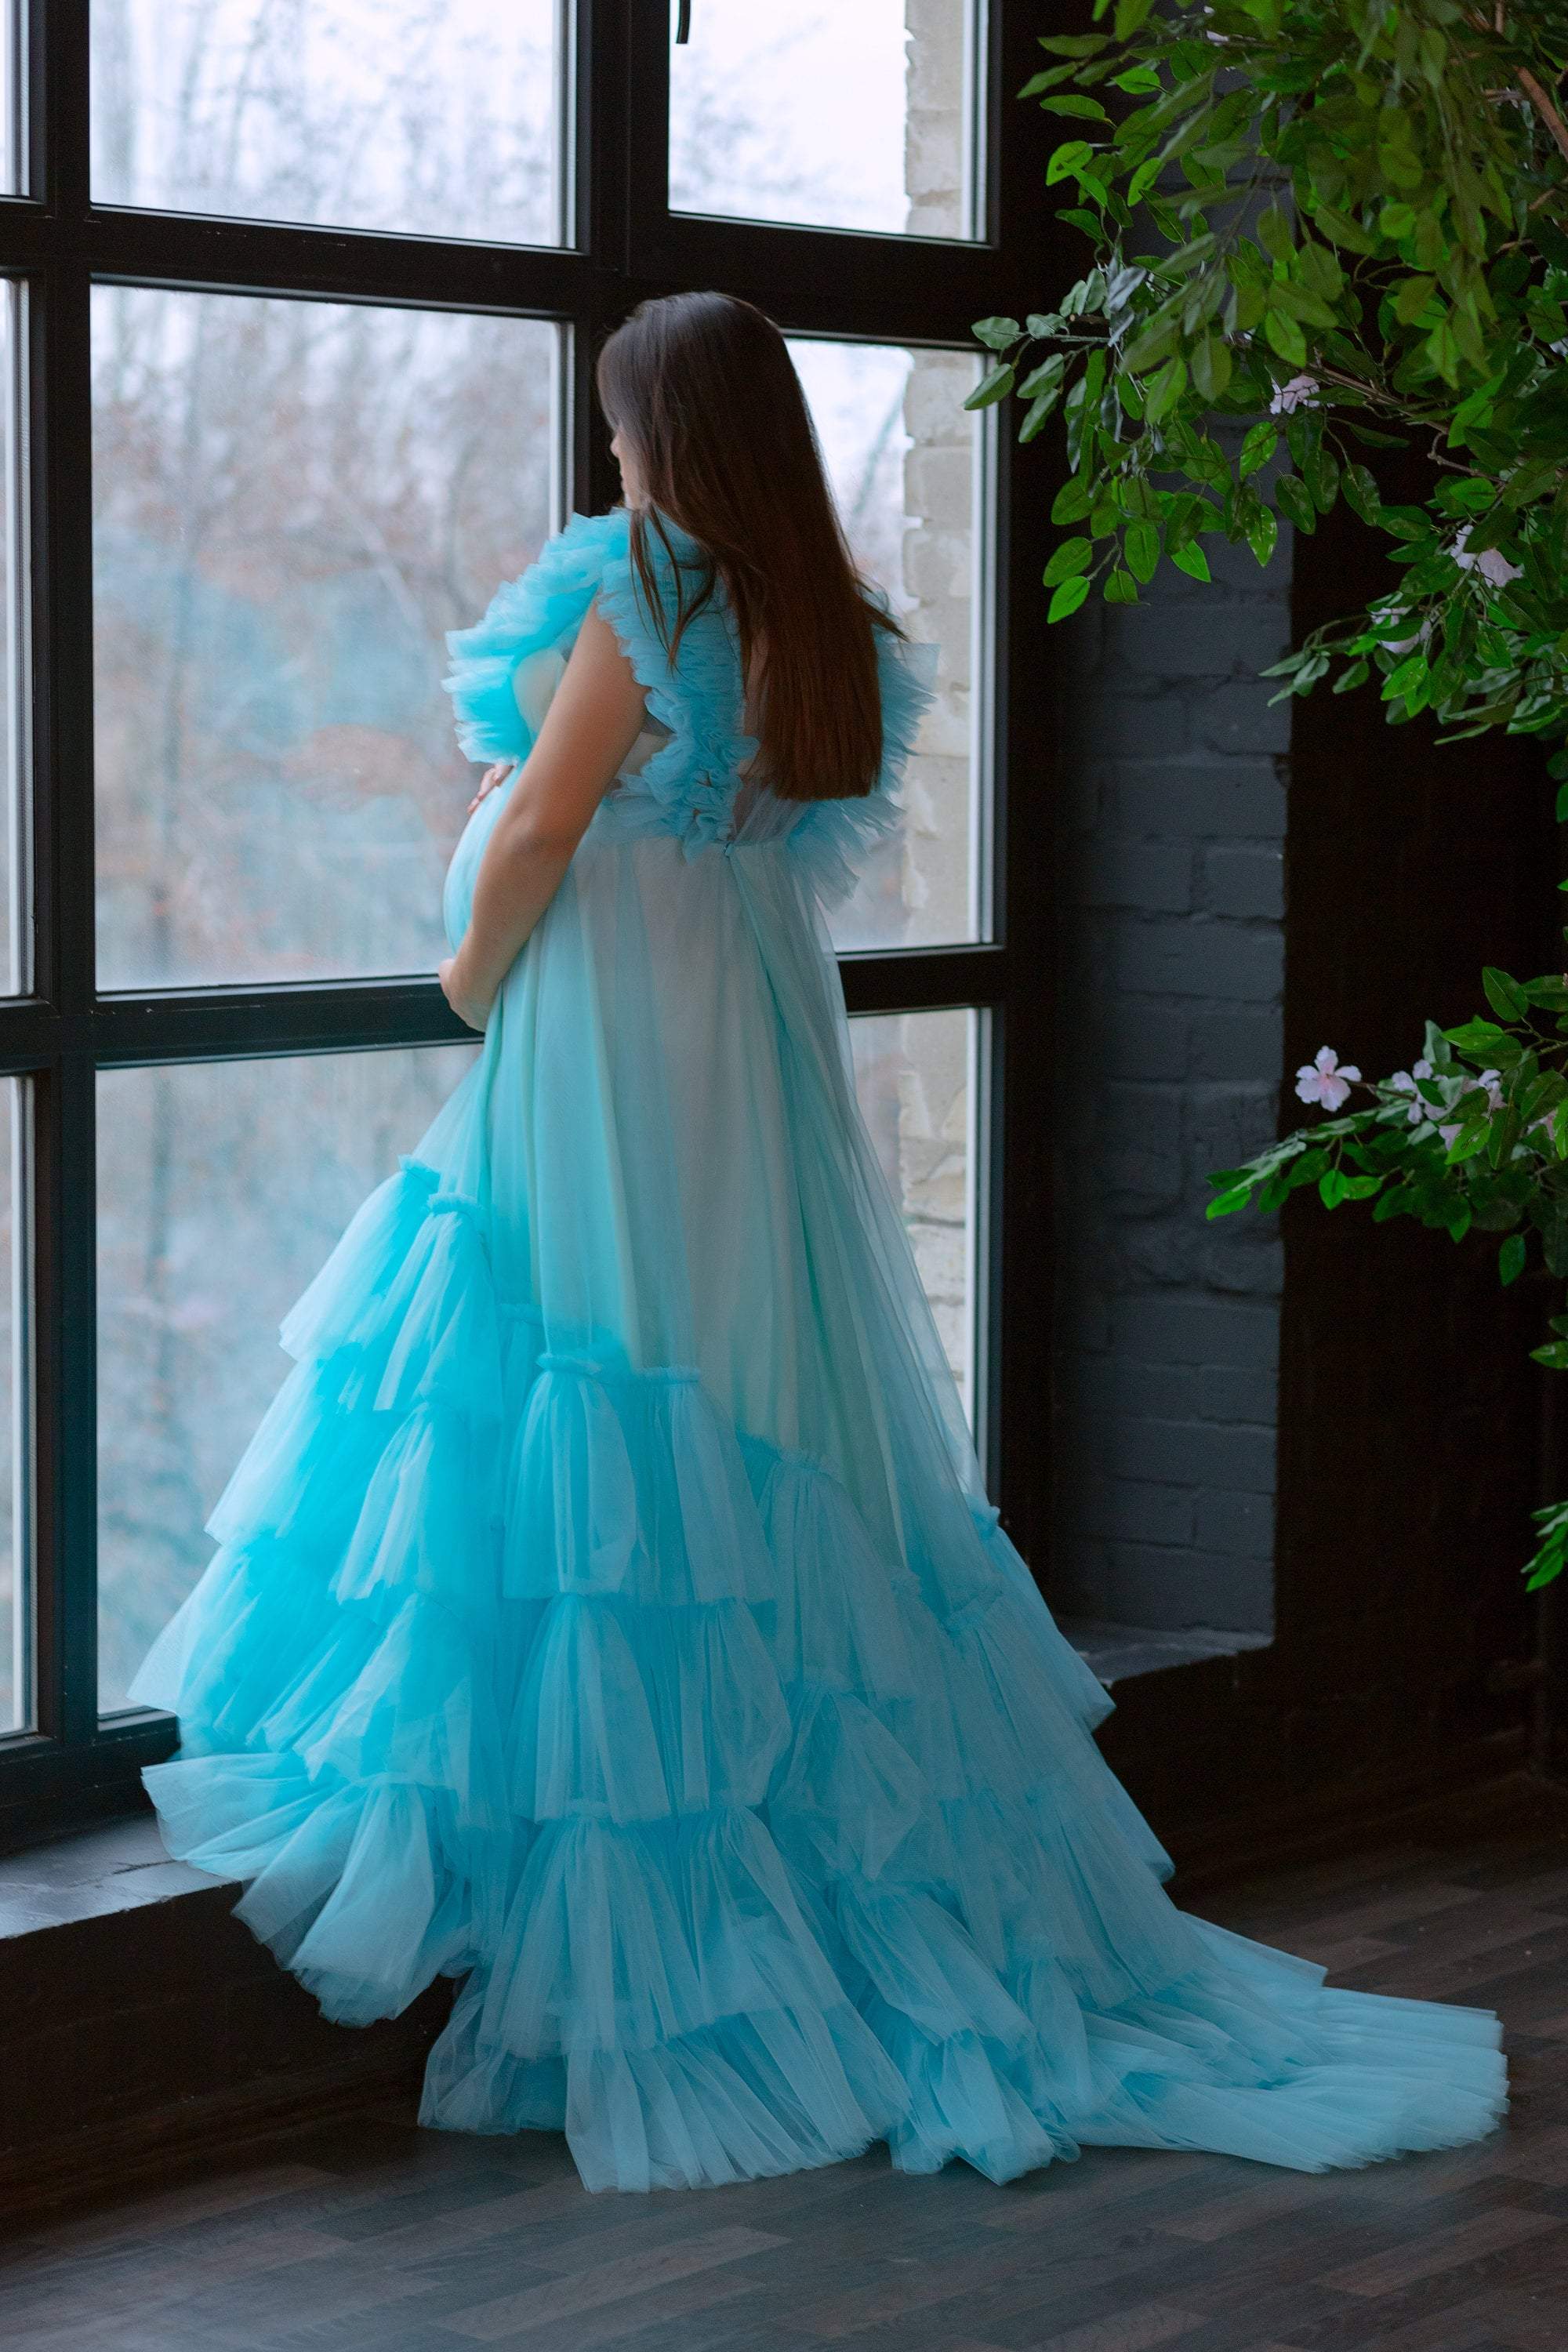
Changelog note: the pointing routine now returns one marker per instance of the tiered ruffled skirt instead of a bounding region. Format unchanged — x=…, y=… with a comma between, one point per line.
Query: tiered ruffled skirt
x=750, y=1842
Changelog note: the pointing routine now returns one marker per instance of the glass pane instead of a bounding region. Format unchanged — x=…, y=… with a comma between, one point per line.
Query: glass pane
x=16, y=1597
x=224, y=1185
x=14, y=99
x=828, y=115
x=905, y=462
x=293, y=501
x=15, y=940
x=441, y=117
x=914, y=1076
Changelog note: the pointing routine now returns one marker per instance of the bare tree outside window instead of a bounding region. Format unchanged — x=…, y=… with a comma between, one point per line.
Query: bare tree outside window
x=293, y=503
x=434, y=116
x=813, y=112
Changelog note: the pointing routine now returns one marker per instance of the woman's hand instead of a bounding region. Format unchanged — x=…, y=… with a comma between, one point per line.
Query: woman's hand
x=460, y=994
x=497, y=774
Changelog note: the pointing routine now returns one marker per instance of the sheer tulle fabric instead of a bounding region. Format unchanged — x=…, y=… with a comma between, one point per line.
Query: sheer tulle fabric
x=608, y=1614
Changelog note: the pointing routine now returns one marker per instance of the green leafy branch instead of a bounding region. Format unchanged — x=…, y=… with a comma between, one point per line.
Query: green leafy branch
x=1474, y=1137
x=1320, y=229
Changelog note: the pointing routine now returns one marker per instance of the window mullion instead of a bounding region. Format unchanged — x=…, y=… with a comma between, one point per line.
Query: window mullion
x=63, y=1469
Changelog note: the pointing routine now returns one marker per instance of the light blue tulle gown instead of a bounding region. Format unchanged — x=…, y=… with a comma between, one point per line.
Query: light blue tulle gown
x=608, y=1611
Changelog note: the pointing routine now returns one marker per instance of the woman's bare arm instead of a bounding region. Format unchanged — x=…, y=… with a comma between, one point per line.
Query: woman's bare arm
x=595, y=717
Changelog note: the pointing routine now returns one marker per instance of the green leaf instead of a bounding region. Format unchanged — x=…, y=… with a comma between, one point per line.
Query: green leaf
x=1443, y=346
x=1067, y=598
x=1274, y=233
x=1503, y=994
x=1284, y=332
x=1477, y=1040
x=1322, y=477
x=1228, y=1203
x=1068, y=159
x=1361, y=492
x=1142, y=180
x=1260, y=446
x=1510, y=1258
x=1085, y=109
x=1051, y=371
x=1262, y=533
x=1295, y=502
x=996, y=334
x=1412, y=298
x=1191, y=559
x=1071, y=557
x=1049, y=80
x=1039, y=411
x=1212, y=366
x=1332, y=1188
x=1142, y=546
x=1150, y=346
x=1120, y=588
x=1166, y=389
x=1340, y=229
x=996, y=384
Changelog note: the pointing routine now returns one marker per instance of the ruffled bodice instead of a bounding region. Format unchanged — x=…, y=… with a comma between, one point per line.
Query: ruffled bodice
x=686, y=772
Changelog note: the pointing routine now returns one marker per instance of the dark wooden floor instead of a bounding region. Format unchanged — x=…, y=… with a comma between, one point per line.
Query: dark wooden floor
x=371, y=2236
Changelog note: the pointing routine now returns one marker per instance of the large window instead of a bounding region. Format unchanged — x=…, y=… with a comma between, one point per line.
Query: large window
x=299, y=306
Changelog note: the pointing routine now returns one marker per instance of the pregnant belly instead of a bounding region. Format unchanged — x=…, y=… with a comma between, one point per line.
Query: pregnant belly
x=457, y=891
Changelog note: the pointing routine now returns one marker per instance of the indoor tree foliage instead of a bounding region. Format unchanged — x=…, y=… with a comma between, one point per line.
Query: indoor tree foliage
x=1320, y=229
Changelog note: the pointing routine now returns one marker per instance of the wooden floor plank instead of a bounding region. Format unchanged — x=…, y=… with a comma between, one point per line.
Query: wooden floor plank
x=367, y=2235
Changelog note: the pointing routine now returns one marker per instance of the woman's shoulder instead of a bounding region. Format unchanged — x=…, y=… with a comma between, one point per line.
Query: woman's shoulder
x=566, y=573
x=541, y=610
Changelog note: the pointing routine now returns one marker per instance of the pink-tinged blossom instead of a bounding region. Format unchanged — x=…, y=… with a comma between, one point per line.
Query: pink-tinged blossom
x=1487, y=1082
x=1297, y=393
x=1384, y=613
x=1405, y=1082
x=1325, y=1079
x=1492, y=562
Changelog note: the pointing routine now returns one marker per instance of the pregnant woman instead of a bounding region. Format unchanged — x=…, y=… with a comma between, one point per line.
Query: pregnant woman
x=608, y=1611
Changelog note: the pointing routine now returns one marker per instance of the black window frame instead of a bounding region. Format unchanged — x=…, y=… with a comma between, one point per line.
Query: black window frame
x=58, y=244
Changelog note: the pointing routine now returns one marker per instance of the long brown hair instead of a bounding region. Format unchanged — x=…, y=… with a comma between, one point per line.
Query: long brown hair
x=702, y=389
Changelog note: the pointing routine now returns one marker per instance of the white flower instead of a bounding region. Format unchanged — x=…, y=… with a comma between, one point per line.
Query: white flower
x=1492, y=562
x=1486, y=1084
x=1383, y=614
x=1405, y=1082
x=1297, y=393
x=1493, y=565
x=1325, y=1079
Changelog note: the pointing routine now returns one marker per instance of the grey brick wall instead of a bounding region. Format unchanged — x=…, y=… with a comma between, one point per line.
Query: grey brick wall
x=1169, y=1030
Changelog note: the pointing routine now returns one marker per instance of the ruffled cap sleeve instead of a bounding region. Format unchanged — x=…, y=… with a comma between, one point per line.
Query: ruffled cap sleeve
x=504, y=669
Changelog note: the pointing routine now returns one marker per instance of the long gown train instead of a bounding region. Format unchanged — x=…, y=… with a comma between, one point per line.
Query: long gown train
x=608, y=1612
